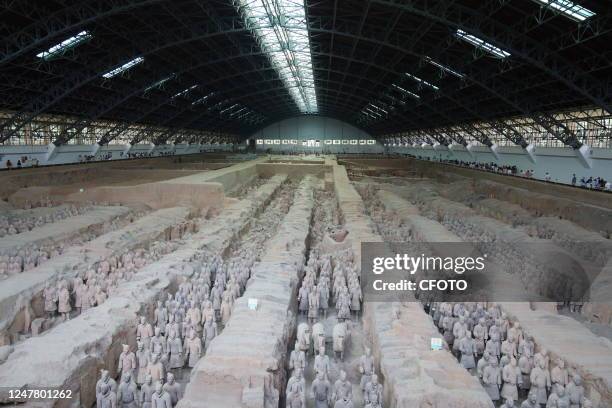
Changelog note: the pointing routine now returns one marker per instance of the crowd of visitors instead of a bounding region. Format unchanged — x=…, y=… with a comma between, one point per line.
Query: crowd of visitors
x=493, y=167
x=84, y=158
x=137, y=155
x=595, y=183
x=23, y=161
x=142, y=155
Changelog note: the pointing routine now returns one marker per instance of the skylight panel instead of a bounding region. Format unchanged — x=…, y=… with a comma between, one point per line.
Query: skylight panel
x=123, y=68
x=185, y=91
x=407, y=92
x=65, y=45
x=218, y=105
x=377, y=114
x=159, y=83
x=229, y=108
x=237, y=112
x=422, y=81
x=482, y=44
x=203, y=99
x=280, y=28
x=378, y=108
x=444, y=68
x=375, y=110
x=244, y=115
x=369, y=114
x=393, y=99
x=568, y=9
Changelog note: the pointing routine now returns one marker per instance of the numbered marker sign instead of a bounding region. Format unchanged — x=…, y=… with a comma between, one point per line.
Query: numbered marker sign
x=252, y=303
x=436, y=343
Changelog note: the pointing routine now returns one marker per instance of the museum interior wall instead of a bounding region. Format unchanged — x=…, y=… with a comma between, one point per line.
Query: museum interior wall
x=65, y=154
x=560, y=162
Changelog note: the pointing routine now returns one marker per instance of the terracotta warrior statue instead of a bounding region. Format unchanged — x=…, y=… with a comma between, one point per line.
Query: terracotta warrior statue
x=175, y=352
x=77, y=290
x=193, y=349
x=142, y=361
x=516, y=333
x=209, y=331
x=508, y=347
x=356, y=298
x=318, y=337
x=558, y=397
x=525, y=364
x=297, y=358
x=343, y=305
x=344, y=403
x=542, y=355
x=160, y=398
x=304, y=337
x=100, y=296
x=321, y=363
x=575, y=391
x=50, y=296
x=491, y=377
x=511, y=375
x=127, y=394
x=155, y=368
x=173, y=389
x=105, y=381
x=340, y=335
x=295, y=400
x=482, y=364
x=531, y=401
x=373, y=391
x=313, y=305
x=343, y=390
x=303, y=300
x=540, y=381
x=64, y=301
x=297, y=383
x=366, y=368
x=158, y=343
x=173, y=325
x=106, y=398
x=526, y=346
x=559, y=374
x=468, y=350
x=226, y=310
x=321, y=391
x=161, y=316
x=374, y=402
x=146, y=392
x=127, y=361
x=323, y=290
x=87, y=298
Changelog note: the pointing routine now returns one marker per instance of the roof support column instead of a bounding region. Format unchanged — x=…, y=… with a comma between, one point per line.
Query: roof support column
x=584, y=156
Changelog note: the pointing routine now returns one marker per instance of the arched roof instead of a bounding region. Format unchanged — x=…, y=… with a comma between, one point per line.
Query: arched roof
x=382, y=65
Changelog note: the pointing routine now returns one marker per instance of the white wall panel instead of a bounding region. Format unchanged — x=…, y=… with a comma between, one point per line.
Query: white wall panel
x=314, y=128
